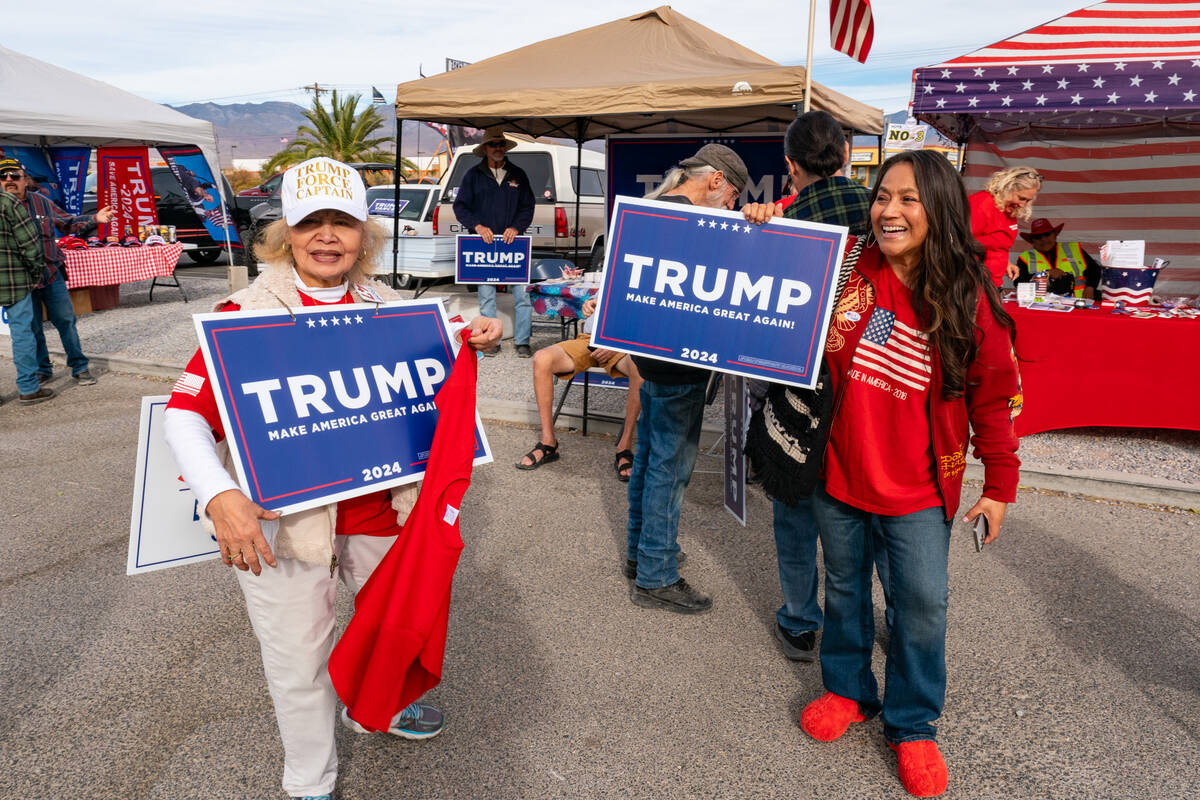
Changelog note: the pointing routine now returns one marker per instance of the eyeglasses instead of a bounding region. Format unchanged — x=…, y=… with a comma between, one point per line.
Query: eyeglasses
x=1029, y=173
x=495, y=144
x=11, y=176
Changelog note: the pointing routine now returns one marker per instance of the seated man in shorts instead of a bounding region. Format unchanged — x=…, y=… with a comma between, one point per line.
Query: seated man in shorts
x=566, y=360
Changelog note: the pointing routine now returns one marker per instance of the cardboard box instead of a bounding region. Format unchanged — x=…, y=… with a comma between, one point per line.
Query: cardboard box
x=81, y=301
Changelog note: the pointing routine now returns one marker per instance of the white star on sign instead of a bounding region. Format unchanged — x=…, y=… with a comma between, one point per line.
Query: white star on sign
x=1083, y=67
x=1041, y=99
x=746, y=228
x=945, y=73
x=312, y=324
x=1027, y=85
x=1120, y=65
x=1075, y=98
x=979, y=72
x=974, y=101
x=1173, y=80
x=929, y=88
x=1189, y=95
x=346, y=319
x=724, y=226
x=712, y=223
x=1012, y=70
x=1062, y=83
x=334, y=320
x=358, y=319
x=323, y=322
x=993, y=86
x=1098, y=83
x=1114, y=97
x=1006, y=101
x=1157, y=64
x=941, y=103
x=959, y=87
x=1150, y=96
x=700, y=222
x=1136, y=80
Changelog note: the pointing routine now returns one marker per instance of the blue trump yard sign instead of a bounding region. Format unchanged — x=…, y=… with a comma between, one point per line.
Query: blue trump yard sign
x=332, y=402
x=703, y=287
x=479, y=262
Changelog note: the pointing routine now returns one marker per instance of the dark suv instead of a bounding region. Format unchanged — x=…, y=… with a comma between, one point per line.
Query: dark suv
x=174, y=209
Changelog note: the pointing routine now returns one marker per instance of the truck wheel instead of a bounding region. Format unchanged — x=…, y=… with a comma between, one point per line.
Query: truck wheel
x=596, y=262
x=205, y=256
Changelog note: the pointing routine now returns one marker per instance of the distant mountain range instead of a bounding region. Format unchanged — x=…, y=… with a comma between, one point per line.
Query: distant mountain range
x=257, y=130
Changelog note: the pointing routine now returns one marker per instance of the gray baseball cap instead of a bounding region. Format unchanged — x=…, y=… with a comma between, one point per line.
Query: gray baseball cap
x=720, y=157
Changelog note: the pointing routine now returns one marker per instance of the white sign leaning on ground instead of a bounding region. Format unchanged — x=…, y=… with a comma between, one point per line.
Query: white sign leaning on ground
x=164, y=526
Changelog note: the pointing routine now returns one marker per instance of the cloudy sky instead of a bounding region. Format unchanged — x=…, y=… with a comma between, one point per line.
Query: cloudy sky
x=231, y=51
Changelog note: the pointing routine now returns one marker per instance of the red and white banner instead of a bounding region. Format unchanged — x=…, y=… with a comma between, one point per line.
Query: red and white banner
x=851, y=28
x=124, y=185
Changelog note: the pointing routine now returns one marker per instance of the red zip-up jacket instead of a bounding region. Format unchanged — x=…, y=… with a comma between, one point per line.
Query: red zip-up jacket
x=993, y=229
x=984, y=414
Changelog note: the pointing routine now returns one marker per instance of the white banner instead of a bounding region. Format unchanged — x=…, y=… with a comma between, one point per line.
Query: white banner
x=906, y=136
x=164, y=526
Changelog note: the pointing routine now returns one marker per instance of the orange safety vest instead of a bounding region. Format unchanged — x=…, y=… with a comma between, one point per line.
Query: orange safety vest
x=1069, y=259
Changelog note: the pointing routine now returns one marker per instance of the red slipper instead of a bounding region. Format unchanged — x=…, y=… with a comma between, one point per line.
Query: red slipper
x=922, y=768
x=828, y=717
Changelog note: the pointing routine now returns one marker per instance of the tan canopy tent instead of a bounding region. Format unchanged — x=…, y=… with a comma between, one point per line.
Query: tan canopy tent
x=656, y=72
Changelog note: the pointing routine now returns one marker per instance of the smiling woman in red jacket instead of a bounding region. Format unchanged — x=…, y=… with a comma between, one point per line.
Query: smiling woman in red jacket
x=920, y=356
x=996, y=213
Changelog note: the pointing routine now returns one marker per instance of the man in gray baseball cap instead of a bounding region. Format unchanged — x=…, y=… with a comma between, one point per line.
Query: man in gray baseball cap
x=668, y=428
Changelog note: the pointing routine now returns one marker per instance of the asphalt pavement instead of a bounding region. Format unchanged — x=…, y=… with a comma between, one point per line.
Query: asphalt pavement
x=1072, y=647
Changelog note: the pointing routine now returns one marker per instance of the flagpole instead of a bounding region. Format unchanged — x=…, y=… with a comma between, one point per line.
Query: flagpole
x=812, y=19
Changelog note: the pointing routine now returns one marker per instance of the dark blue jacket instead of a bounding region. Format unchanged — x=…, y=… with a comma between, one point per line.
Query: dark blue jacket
x=481, y=200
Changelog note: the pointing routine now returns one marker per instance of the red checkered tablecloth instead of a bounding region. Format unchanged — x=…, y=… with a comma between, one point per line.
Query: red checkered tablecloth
x=104, y=266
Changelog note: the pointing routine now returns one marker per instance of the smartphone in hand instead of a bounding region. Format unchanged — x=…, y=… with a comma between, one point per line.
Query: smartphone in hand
x=980, y=531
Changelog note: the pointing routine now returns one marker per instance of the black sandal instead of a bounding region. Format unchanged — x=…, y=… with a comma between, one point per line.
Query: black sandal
x=548, y=453
x=624, y=460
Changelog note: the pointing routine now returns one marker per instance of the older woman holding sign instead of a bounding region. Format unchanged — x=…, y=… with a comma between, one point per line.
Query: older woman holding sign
x=921, y=362
x=319, y=253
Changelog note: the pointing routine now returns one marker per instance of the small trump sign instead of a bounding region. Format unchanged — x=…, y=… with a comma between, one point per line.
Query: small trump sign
x=703, y=287
x=480, y=262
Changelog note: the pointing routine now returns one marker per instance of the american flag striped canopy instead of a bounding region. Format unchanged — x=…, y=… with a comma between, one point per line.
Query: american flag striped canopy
x=1105, y=103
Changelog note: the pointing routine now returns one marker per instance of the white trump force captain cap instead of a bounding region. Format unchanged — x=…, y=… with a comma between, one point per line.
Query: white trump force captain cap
x=321, y=183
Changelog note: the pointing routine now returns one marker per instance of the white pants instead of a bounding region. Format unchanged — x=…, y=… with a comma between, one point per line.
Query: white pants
x=292, y=611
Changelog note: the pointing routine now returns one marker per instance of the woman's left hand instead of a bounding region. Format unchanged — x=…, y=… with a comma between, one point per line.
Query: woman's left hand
x=1012, y=271
x=994, y=511
x=485, y=332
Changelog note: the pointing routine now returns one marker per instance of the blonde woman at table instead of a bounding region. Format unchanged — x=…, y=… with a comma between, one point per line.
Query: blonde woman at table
x=996, y=213
x=52, y=291
x=318, y=254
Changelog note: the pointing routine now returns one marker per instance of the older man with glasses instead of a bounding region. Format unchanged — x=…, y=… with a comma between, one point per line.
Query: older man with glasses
x=51, y=292
x=495, y=199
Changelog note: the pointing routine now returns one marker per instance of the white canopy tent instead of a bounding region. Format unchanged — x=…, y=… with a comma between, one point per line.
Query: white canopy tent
x=44, y=105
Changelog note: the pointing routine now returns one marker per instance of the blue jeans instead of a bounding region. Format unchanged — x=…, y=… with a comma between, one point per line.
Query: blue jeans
x=57, y=301
x=522, y=309
x=668, y=436
x=24, y=346
x=796, y=552
x=918, y=551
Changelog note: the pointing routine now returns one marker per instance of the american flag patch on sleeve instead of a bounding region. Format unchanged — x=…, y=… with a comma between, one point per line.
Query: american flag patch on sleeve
x=189, y=383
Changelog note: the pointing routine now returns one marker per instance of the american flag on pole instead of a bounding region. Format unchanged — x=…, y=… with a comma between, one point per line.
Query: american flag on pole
x=893, y=351
x=851, y=28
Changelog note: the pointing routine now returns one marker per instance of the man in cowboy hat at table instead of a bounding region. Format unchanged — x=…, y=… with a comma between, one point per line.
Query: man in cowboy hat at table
x=495, y=199
x=1072, y=271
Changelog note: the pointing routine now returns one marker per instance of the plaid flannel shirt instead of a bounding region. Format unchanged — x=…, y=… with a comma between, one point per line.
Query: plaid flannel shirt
x=835, y=200
x=21, y=258
x=48, y=217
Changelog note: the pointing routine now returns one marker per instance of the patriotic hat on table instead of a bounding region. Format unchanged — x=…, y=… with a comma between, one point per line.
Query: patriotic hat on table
x=322, y=183
x=71, y=243
x=1040, y=227
x=154, y=240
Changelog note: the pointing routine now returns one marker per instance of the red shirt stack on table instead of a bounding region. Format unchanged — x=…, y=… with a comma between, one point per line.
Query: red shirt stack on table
x=369, y=514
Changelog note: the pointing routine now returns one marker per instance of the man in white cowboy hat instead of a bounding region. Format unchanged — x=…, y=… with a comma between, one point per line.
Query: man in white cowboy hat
x=1071, y=271
x=495, y=199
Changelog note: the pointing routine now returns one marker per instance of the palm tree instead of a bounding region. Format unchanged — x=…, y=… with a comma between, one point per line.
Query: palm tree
x=339, y=133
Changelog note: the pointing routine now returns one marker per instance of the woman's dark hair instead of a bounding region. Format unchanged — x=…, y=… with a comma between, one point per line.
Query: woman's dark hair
x=951, y=275
x=816, y=143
